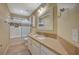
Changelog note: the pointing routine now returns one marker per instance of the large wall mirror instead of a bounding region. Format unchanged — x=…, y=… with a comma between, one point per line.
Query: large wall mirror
x=45, y=18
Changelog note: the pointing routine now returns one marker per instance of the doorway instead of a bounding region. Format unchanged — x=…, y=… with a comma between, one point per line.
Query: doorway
x=19, y=30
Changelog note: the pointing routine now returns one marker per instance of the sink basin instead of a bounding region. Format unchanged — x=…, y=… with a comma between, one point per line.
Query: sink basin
x=35, y=35
x=39, y=36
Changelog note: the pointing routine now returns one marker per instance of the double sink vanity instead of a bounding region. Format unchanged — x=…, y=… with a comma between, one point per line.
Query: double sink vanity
x=42, y=45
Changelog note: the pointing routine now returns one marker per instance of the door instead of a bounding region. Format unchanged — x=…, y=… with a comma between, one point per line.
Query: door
x=25, y=30
x=15, y=32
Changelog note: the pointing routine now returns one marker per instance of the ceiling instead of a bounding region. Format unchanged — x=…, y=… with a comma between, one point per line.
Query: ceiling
x=24, y=9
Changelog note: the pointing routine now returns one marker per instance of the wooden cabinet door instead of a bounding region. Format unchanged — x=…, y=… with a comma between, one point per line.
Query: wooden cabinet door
x=47, y=51
x=42, y=52
x=29, y=44
x=35, y=50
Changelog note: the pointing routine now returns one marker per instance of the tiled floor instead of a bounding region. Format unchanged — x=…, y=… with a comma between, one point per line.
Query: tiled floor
x=18, y=47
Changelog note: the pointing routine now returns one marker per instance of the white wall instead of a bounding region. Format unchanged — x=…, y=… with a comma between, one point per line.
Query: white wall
x=4, y=28
x=68, y=20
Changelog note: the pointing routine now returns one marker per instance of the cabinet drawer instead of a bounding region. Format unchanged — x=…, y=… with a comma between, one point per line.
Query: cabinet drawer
x=47, y=51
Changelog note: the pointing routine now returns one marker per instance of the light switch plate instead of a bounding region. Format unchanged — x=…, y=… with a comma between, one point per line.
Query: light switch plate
x=75, y=35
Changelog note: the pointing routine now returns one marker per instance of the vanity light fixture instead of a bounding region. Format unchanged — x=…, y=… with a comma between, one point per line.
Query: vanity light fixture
x=42, y=9
x=39, y=11
x=62, y=10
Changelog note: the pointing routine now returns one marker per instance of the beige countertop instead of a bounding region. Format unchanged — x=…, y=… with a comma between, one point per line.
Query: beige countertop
x=50, y=43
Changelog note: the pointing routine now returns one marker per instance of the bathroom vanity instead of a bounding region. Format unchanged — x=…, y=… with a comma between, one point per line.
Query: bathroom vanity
x=41, y=45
